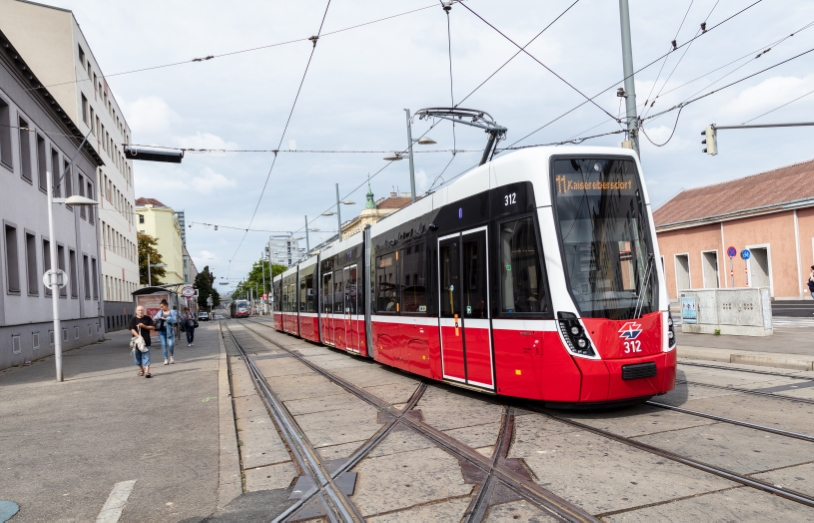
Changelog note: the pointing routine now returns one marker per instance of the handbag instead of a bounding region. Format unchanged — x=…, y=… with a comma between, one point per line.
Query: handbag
x=195, y=324
x=137, y=342
x=160, y=323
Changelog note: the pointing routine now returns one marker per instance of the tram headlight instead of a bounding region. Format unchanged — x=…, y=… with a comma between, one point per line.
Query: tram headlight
x=671, y=336
x=575, y=330
x=582, y=343
x=574, y=334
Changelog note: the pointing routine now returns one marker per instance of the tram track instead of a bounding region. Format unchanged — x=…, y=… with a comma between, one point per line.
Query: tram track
x=750, y=371
x=337, y=506
x=748, y=391
x=493, y=469
x=745, y=480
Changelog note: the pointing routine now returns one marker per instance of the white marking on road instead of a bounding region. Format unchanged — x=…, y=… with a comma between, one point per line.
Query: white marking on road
x=115, y=503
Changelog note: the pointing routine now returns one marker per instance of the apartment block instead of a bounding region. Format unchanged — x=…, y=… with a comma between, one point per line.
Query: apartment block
x=58, y=53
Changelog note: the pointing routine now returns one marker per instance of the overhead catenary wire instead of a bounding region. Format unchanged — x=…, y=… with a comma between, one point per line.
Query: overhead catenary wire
x=778, y=107
x=615, y=84
x=447, y=8
x=233, y=53
x=547, y=68
x=295, y=151
x=315, y=40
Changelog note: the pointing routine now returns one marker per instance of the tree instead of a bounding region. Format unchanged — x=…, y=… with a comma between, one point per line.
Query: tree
x=254, y=280
x=203, y=282
x=148, y=250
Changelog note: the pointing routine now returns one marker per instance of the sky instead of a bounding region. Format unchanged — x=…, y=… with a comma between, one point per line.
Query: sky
x=359, y=82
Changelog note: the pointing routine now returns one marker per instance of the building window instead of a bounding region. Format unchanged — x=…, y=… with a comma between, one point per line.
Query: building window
x=12, y=260
x=95, y=275
x=90, y=207
x=141, y=218
x=86, y=270
x=16, y=347
x=63, y=292
x=55, y=185
x=74, y=280
x=84, y=109
x=35, y=342
x=5, y=135
x=46, y=262
x=42, y=168
x=82, y=212
x=31, y=264
x=25, y=149
x=81, y=55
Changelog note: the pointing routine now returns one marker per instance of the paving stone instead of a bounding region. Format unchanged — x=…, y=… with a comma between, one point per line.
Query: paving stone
x=395, y=393
x=476, y=436
x=517, y=511
x=290, y=388
x=261, y=443
x=682, y=393
x=339, y=426
x=271, y=477
x=343, y=400
x=637, y=420
x=599, y=474
x=407, y=479
x=450, y=510
x=799, y=478
x=283, y=367
x=740, y=504
x=341, y=451
x=401, y=439
x=735, y=448
x=444, y=408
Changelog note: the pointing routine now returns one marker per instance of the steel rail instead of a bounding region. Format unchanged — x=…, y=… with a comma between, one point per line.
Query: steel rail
x=752, y=371
x=789, y=494
x=781, y=432
x=307, y=457
x=535, y=494
x=749, y=391
x=476, y=511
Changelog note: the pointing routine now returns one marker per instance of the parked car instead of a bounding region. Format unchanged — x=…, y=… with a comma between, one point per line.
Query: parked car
x=203, y=316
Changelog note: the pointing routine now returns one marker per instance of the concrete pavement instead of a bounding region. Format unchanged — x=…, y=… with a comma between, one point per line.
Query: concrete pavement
x=68, y=450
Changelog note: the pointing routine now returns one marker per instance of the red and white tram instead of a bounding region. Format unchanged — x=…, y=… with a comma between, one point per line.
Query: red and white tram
x=533, y=276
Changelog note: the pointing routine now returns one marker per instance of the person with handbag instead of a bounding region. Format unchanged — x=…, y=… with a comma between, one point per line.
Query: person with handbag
x=165, y=321
x=140, y=327
x=188, y=325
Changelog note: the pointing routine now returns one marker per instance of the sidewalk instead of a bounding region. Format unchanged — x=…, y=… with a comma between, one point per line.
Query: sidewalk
x=65, y=446
x=791, y=347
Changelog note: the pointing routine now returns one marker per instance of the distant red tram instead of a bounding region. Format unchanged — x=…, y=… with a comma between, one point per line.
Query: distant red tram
x=533, y=276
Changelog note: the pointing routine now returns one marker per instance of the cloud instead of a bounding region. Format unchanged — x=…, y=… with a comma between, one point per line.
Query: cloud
x=767, y=95
x=149, y=115
x=205, y=141
x=422, y=181
x=207, y=181
x=292, y=144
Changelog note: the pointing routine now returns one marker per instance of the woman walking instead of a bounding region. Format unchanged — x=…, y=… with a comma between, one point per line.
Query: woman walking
x=141, y=325
x=189, y=326
x=166, y=332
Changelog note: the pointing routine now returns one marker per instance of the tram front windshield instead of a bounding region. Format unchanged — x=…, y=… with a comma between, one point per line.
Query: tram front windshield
x=604, y=233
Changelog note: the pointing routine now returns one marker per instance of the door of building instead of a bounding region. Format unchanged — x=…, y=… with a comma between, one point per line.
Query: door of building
x=464, y=311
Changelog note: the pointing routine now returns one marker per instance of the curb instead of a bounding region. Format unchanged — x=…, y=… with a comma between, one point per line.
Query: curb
x=760, y=359
x=230, y=483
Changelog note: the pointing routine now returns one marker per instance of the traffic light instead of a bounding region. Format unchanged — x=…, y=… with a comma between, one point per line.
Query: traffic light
x=710, y=140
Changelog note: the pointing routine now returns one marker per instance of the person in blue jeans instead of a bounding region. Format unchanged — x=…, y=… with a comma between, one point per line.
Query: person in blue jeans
x=167, y=334
x=141, y=325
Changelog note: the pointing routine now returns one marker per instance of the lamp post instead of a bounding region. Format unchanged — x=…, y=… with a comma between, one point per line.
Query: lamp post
x=397, y=156
x=149, y=274
x=55, y=277
x=338, y=211
x=263, y=265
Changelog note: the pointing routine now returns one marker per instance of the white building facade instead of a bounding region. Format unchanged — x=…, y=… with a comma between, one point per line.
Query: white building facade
x=58, y=53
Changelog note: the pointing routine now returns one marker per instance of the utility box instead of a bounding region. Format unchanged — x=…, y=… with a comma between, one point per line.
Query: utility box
x=739, y=312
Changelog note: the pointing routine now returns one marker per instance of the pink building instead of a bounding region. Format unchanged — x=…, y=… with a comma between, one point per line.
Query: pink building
x=771, y=214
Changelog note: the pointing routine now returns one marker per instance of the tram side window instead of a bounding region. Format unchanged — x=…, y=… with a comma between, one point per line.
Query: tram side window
x=413, y=280
x=307, y=293
x=387, y=283
x=522, y=287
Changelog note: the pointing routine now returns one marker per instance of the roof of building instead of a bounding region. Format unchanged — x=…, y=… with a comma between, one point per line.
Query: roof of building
x=769, y=191
x=394, y=202
x=141, y=202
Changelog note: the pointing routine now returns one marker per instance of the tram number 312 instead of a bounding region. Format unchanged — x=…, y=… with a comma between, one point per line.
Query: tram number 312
x=510, y=199
x=633, y=346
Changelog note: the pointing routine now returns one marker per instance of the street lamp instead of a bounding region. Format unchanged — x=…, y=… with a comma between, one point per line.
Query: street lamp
x=395, y=157
x=338, y=212
x=56, y=278
x=149, y=274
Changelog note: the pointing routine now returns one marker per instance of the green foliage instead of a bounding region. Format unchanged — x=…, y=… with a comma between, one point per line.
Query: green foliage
x=148, y=249
x=255, y=279
x=203, y=282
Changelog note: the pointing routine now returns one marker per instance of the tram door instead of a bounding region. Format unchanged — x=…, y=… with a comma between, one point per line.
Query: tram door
x=350, y=324
x=466, y=341
x=339, y=309
x=327, y=309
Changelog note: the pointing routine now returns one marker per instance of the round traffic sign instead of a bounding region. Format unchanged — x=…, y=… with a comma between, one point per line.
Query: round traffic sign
x=59, y=274
x=188, y=292
x=746, y=254
x=732, y=252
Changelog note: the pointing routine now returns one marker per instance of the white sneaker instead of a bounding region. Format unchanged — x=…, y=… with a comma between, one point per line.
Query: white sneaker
x=166, y=361
x=172, y=360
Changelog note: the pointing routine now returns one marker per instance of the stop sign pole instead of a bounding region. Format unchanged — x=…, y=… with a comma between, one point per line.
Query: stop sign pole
x=732, y=252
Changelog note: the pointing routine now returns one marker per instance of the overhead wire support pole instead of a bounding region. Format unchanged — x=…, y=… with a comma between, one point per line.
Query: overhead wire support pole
x=410, y=149
x=339, y=211
x=307, y=239
x=630, y=85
